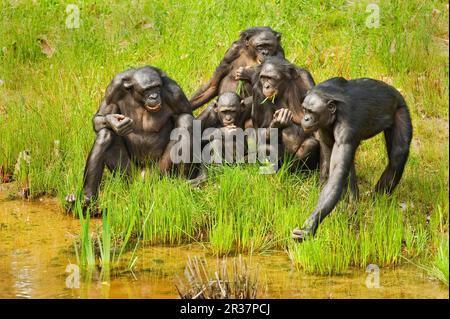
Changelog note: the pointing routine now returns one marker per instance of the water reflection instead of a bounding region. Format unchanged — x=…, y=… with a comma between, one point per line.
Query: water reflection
x=36, y=247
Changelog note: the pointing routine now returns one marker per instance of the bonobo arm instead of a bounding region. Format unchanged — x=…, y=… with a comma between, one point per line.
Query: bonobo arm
x=208, y=117
x=99, y=120
x=114, y=93
x=305, y=79
x=342, y=157
x=245, y=73
x=174, y=97
x=209, y=90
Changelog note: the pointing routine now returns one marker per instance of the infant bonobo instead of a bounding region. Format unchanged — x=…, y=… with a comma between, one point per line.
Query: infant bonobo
x=344, y=113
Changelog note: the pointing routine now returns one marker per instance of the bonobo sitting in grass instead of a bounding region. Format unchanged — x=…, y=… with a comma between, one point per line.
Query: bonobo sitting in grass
x=133, y=124
x=345, y=113
x=223, y=123
x=279, y=88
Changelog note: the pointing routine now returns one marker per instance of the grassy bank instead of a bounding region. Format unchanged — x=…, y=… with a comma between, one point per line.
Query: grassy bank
x=51, y=87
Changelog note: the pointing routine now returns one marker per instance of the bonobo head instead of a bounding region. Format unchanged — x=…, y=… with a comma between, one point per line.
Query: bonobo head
x=261, y=42
x=228, y=108
x=145, y=86
x=275, y=75
x=319, y=111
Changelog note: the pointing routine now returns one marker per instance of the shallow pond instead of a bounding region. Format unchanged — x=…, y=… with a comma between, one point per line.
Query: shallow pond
x=36, y=247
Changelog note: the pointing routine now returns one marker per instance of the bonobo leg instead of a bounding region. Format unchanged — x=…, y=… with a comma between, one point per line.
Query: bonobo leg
x=342, y=158
x=398, y=139
x=183, y=164
x=305, y=149
x=204, y=94
x=309, y=153
x=109, y=149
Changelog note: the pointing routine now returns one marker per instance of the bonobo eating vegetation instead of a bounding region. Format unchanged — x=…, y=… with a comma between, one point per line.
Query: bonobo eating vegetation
x=252, y=47
x=225, y=138
x=279, y=88
x=345, y=112
x=228, y=114
x=229, y=110
x=133, y=124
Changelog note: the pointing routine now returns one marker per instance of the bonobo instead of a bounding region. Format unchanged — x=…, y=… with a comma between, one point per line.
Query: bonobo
x=133, y=124
x=279, y=88
x=224, y=140
x=252, y=47
x=229, y=111
x=345, y=113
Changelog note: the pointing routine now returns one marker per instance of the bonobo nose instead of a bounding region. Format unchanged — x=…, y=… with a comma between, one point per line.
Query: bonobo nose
x=153, y=96
x=266, y=86
x=307, y=118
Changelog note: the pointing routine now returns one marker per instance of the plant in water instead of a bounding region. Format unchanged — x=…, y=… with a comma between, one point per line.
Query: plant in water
x=439, y=269
x=203, y=283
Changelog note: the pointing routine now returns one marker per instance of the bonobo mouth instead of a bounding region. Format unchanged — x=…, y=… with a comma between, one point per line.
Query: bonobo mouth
x=229, y=125
x=310, y=127
x=270, y=94
x=153, y=107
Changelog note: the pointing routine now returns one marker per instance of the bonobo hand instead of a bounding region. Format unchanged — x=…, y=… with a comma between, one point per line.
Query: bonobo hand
x=121, y=125
x=281, y=118
x=241, y=74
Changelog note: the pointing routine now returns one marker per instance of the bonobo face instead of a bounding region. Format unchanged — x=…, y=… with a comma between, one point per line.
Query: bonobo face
x=147, y=89
x=228, y=108
x=264, y=44
x=319, y=112
x=270, y=79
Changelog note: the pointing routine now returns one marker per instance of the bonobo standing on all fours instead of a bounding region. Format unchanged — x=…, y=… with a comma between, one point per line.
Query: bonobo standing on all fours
x=345, y=113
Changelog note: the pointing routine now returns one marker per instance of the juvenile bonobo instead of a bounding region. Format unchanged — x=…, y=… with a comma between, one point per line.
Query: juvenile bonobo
x=133, y=124
x=228, y=110
x=252, y=47
x=279, y=88
x=227, y=116
x=230, y=119
x=345, y=113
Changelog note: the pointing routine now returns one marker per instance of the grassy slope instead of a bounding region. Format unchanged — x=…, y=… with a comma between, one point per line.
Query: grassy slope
x=46, y=99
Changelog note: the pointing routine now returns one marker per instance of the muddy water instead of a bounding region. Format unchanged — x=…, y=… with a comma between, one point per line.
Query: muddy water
x=36, y=247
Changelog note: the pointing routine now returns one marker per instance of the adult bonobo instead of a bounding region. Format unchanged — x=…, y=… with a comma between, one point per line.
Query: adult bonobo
x=345, y=113
x=252, y=47
x=279, y=88
x=133, y=124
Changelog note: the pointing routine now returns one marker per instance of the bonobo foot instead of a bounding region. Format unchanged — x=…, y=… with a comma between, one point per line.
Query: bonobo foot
x=200, y=179
x=300, y=235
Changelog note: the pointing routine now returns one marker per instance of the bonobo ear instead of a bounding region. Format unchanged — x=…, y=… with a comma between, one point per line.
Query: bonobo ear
x=331, y=105
x=293, y=72
x=278, y=36
x=127, y=84
x=215, y=107
x=242, y=105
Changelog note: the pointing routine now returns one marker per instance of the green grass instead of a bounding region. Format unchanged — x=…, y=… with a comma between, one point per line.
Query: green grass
x=439, y=269
x=46, y=106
